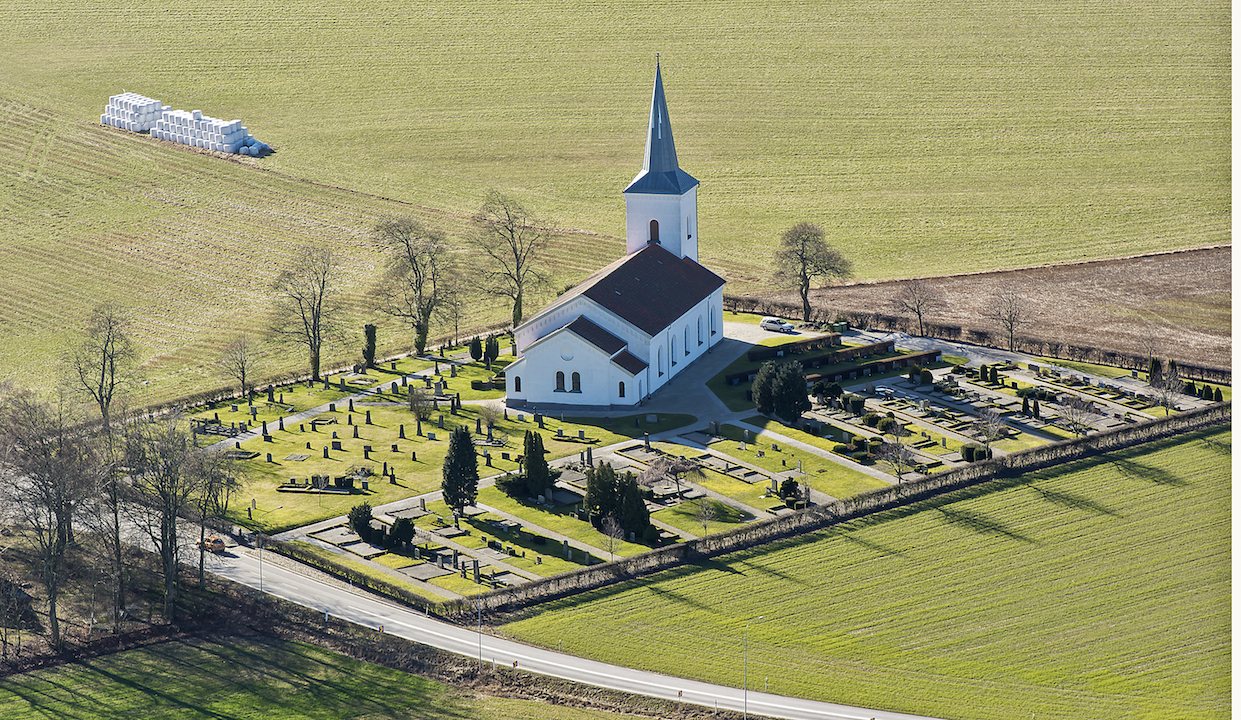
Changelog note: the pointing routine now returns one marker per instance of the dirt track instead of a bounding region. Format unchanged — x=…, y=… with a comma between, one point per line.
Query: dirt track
x=1185, y=297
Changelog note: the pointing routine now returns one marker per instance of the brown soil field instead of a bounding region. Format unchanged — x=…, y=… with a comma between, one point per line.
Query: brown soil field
x=1183, y=298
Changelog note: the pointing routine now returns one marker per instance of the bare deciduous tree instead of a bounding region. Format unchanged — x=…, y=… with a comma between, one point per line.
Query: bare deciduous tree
x=102, y=364
x=46, y=463
x=416, y=282
x=455, y=297
x=1166, y=385
x=989, y=427
x=166, y=472
x=900, y=456
x=612, y=530
x=306, y=311
x=919, y=298
x=239, y=361
x=421, y=403
x=804, y=257
x=511, y=240
x=1077, y=413
x=1011, y=312
x=674, y=469
x=704, y=513
x=219, y=479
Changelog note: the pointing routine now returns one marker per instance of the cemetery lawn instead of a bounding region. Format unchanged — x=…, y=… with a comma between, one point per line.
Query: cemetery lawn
x=752, y=494
x=560, y=519
x=248, y=678
x=822, y=474
x=685, y=517
x=1100, y=588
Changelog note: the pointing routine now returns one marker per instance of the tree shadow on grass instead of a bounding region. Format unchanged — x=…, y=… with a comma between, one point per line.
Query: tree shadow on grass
x=980, y=523
x=1074, y=501
x=677, y=597
x=1141, y=471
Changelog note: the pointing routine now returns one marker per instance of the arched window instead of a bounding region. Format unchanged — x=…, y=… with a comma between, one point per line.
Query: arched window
x=577, y=383
x=711, y=319
x=689, y=231
x=672, y=349
x=655, y=231
x=699, y=329
x=516, y=383
x=659, y=360
x=621, y=391
x=559, y=381
x=685, y=333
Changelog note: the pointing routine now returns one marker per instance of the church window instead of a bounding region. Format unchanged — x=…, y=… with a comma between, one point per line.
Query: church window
x=689, y=232
x=559, y=381
x=659, y=360
x=685, y=332
x=621, y=391
x=655, y=231
x=672, y=349
x=577, y=383
x=711, y=319
x=699, y=329
x=517, y=383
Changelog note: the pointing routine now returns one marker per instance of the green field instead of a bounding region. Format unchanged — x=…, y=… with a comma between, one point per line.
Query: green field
x=222, y=680
x=1098, y=589
x=927, y=137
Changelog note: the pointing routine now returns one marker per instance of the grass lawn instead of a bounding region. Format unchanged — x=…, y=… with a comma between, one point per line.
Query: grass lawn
x=247, y=678
x=822, y=474
x=685, y=516
x=752, y=494
x=1097, y=589
x=559, y=519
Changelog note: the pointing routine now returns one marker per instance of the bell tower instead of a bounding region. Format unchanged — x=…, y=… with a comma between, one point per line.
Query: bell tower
x=661, y=204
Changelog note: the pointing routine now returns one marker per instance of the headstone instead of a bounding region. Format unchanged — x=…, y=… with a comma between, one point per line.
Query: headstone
x=217, y=418
x=396, y=389
x=652, y=419
x=430, y=436
x=254, y=412
x=385, y=472
x=559, y=432
x=402, y=434
x=325, y=456
x=368, y=417
x=646, y=440
x=568, y=554
x=540, y=419
x=350, y=404
x=268, y=457
x=590, y=460
x=419, y=427
x=581, y=434
x=395, y=448
x=439, y=388
x=476, y=578
x=487, y=457
x=775, y=447
x=336, y=445
x=422, y=504
x=452, y=371
x=355, y=432
x=441, y=422
x=333, y=434
x=234, y=408
x=774, y=489
x=348, y=419
x=404, y=381
x=745, y=435
x=478, y=426
x=366, y=454
x=271, y=394
x=331, y=407
x=281, y=424
x=799, y=466
x=307, y=446
x=489, y=437
x=943, y=441
x=392, y=366
x=521, y=417
x=505, y=456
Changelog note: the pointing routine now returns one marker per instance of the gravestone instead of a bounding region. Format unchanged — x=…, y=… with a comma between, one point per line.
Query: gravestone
x=439, y=388
x=559, y=432
x=476, y=578
x=505, y=456
x=307, y=446
x=396, y=390
x=441, y=422
x=254, y=412
x=419, y=431
x=590, y=460
x=581, y=434
x=774, y=489
x=271, y=394
x=333, y=434
x=478, y=426
x=487, y=457
x=404, y=381
x=430, y=436
x=325, y=456
x=264, y=427
x=282, y=424
x=350, y=404
x=568, y=554
x=349, y=419
x=368, y=417
x=335, y=444
x=652, y=419
x=331, y=407
x=540, y=419
x=234, y=408
x=489, y=437
x=646, y=441
x=799, y=466
x=395, y=448
x=452, y=371
x=355, y=432
x=521, y=417
x=392, y=366
x=402, y=434
x=745, y=435
x=775, y=447
x=268, y=457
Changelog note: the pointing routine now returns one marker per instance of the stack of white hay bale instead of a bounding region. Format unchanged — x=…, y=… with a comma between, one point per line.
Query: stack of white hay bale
x=194, y=128
x=132, y=112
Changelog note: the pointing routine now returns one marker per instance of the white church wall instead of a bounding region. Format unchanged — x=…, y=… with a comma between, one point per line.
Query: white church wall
x=677, y=216
x=566, y=353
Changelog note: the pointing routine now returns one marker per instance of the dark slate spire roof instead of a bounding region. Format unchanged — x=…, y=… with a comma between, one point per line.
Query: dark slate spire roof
x=660, y=172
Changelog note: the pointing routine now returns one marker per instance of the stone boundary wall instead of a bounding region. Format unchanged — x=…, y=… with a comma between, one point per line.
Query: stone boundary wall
x=822, y=516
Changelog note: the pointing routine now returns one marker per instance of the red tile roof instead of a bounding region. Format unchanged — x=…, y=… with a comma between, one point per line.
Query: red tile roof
x=595, y=335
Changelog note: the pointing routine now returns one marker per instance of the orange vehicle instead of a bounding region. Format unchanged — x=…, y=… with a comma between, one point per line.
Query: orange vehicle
x=212, y=543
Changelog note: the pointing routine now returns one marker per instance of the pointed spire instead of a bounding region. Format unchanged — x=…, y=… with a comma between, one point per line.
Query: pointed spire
x=660, y=171
x=661, y=152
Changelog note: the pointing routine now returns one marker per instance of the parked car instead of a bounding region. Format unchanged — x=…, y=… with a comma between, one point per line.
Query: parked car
x=775, y=324
x=212, y=543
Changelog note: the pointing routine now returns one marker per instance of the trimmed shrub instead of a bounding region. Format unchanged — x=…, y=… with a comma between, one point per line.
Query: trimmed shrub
x=859, y=456
x=927, y=378
x=886, y=424
x=360, y=520
x=871, y=419
x=874, y=446
x=476, y=348
x=857, y=404
x=1219, y=395
x=841, y=449
x=915, y=373
x=1025, y=405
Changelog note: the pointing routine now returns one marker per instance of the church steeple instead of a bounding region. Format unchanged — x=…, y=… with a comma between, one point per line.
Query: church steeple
x=661, y=204
x=660, y=171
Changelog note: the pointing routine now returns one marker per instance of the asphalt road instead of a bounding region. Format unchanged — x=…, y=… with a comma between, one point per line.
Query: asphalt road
x=243, y=567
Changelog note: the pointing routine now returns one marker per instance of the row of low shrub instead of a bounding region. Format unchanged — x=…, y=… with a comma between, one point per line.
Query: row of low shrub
x=972, y=452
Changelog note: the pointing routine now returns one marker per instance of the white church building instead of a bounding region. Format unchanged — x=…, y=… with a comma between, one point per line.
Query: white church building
x=625, y=331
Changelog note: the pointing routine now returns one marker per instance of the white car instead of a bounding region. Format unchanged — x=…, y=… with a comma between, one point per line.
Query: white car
x=775, y=324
